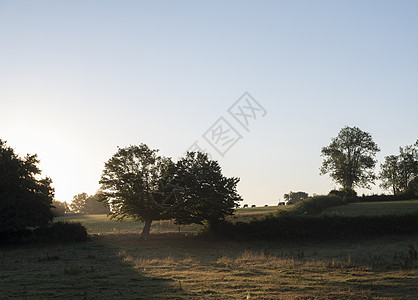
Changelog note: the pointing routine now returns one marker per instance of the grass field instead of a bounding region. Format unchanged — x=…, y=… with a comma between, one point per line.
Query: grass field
x=101, y=224
x=375, y=208
x=121, y=266
x=116, y=264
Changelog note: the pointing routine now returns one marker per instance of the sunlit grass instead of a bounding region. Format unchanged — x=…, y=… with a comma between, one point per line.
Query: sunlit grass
x=375, y=208
x=121, y=266
x=117, y=264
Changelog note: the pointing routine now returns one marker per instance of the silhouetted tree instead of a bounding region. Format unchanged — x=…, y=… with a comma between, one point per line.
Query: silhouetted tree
x=84, y=204
x=399, y=170
x=413, y=186
x=59, y=208
x=135, y=184
x=295, y=197
x=78, y=203
x=389, y=173
x=207, y=195
x=25, y=197
x=93, y=206
x=350, y=158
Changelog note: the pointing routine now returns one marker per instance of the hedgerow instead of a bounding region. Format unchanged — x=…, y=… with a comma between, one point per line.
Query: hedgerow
x=290, y=226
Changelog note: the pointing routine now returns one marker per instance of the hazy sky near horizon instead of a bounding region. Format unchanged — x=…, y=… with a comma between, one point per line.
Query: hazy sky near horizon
x=79, y=78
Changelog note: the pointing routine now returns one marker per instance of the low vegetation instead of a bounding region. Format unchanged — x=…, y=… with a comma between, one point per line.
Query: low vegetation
x=57, y=232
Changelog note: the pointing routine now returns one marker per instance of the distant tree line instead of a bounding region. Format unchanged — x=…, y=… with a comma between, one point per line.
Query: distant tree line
x=81, y=204
x=295, y=197
x=86, y=204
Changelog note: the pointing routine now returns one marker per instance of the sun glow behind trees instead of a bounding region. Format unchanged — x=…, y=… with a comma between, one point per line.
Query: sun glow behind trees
x=129, y=73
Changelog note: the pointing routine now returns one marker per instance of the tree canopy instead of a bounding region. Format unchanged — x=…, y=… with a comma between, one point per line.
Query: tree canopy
x=206, y=193
x=59, y=208
x=350, y=158
x=138, y=183
x=398, y=171
x=131, y=183
x=25, y=197
x=295, y=197
x=85, y=204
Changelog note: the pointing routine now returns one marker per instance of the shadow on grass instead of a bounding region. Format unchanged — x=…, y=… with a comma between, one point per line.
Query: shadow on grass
x=89, y=270
x=171, y=266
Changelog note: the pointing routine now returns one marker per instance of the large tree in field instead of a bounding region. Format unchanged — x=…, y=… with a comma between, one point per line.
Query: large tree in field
x=207, y=195
x=25, y=197
x=134, y=184
x=350, y=158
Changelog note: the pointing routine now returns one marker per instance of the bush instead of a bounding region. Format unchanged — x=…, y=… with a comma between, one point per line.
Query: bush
x=347, y=194
x=59, y=232
x=316, y=204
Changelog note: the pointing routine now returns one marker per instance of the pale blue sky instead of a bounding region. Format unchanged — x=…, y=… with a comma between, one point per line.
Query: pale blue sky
x=79, y=78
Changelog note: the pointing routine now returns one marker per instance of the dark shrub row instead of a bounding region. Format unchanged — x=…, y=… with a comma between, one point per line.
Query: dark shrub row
x=382, y=197
x=62, y=232
x=290, y=226
x=58, y=232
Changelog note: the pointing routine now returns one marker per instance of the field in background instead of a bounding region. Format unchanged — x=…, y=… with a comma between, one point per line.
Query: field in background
x=375, y=208
x=101, y=224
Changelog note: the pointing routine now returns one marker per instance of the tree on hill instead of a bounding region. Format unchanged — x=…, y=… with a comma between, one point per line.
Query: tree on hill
x=134, y=183
x=25, y=197
x=207, y=195
x=398, y=171
x=295, y=197
x=350, y=158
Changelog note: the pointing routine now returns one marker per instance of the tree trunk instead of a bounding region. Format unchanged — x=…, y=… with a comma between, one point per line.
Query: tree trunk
x=146, y=229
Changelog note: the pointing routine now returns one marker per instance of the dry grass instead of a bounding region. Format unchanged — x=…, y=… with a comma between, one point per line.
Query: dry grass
x=172, y=267
x=117, y=264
